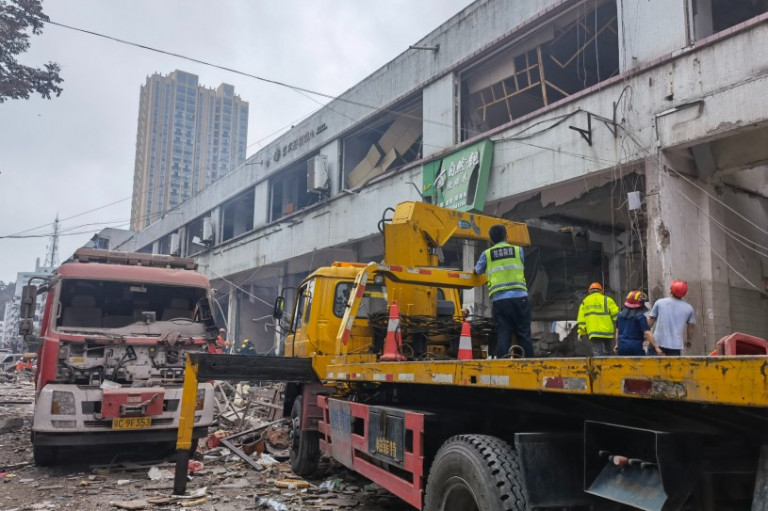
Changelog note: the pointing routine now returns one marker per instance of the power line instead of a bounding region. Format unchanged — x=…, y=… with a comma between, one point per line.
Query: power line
x=719, y=201
x=294, y=88
x=745, y=240
x=301, y=90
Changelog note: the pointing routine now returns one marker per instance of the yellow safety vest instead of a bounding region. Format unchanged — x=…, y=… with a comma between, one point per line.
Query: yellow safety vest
x=597, y=316
x=504, y=268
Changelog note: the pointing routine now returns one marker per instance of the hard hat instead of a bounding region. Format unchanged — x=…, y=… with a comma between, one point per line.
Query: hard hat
x=635, y=300
x=678, y=288
x=595, y=286
x=222, y=330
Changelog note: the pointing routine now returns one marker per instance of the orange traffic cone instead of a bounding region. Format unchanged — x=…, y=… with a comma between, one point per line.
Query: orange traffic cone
x=393, y=340
x=465, y=342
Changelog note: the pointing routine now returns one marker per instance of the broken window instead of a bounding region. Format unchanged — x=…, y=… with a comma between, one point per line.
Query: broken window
x=566, y=55
x=578, y=237
x=288, y=191
x=387, y=142
x=712, y=16
x=199, y=235
x=164, y=245
x=237, y=215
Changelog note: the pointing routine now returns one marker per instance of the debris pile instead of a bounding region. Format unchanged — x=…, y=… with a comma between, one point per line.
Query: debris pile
x=254, y=474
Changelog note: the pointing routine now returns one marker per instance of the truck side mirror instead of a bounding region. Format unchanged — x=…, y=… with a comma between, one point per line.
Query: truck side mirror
x=28, y=302
x=26, y=327
x=279, y=308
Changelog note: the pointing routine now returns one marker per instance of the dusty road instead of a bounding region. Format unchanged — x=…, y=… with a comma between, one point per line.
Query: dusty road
x=97, y=479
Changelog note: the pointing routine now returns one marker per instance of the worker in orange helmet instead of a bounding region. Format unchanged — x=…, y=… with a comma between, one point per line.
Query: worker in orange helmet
x=633, y=327
x=219, y=345
x=597, y=320
x=221, y=340
x=674, y=319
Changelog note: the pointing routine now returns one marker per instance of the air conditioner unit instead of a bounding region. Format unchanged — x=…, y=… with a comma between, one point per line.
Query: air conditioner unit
x=317, y=174
x=208, y=230
x=175, y=245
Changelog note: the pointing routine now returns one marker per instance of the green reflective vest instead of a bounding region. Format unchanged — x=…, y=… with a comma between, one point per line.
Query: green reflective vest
x=504, y=268
x=597, y=316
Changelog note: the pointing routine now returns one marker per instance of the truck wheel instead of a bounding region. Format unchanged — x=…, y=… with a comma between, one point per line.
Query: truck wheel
x=44, y=455
x=475, y=473
x=305, y=445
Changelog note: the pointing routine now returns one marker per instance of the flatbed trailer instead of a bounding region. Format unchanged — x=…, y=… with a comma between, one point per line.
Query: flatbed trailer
x=575, y=433
x=650, y=433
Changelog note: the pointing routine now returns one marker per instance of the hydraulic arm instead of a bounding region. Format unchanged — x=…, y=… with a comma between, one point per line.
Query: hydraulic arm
x=418, y=229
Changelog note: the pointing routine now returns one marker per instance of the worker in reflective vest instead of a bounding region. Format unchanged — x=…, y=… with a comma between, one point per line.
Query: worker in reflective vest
x=597, y=320
x=508, y=293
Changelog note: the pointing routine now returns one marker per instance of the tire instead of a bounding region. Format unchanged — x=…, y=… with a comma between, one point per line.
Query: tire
x=44, y=455
x=475, y=473
x=305, y=445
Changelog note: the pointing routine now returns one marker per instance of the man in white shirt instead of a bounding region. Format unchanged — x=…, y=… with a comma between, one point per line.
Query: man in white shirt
x=673, y=318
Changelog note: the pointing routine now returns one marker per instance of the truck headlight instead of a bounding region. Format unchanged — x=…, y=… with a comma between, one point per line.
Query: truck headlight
x=62, y=403
x=200, y=400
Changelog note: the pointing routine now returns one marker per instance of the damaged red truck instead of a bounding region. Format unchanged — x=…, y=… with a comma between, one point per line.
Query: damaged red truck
x=114, y=336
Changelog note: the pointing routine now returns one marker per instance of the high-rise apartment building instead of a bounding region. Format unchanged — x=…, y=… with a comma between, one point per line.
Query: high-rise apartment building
x=188, y=136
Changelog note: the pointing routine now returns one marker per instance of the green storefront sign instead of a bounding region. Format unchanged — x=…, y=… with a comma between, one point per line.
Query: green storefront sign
x=460, y=180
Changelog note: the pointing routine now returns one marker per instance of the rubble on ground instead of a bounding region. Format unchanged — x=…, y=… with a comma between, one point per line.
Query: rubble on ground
x=218, y=478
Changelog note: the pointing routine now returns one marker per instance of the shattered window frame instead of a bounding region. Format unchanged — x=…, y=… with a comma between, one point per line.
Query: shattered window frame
x=384, y=143
x=288, y=190
x=561, y=57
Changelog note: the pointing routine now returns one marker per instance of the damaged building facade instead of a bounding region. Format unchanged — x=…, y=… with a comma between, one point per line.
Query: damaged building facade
x=629, y=136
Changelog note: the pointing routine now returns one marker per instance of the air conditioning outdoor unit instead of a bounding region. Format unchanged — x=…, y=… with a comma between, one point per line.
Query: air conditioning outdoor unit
x=208, y=230
x=317, y=174
x=175, y=245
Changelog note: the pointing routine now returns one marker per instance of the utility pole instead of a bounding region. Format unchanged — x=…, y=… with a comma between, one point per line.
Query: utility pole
x=52, y=254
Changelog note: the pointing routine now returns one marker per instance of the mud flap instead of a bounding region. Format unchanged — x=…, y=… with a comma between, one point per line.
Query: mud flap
x=551, y=466
x=646, y=469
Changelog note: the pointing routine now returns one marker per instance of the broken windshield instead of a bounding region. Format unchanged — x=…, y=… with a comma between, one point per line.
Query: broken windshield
x=90, y=306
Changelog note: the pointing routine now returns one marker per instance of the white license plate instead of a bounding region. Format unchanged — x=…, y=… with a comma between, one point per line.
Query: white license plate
x=131, y=422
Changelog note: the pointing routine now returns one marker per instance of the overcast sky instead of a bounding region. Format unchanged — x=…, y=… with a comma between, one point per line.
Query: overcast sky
x=76, y=153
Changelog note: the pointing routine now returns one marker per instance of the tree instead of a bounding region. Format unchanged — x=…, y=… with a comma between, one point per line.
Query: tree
x=17, y=81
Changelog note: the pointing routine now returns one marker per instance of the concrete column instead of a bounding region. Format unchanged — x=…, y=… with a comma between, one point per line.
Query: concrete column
x=748, y=272
x=644, y=34
x=680, y=238
x=439, y=124
x=182, y=240
x=714, y=321
x=261, y=204
x=233, y=318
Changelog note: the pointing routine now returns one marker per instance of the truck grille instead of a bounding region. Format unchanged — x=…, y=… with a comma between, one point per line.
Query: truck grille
x=90, y=407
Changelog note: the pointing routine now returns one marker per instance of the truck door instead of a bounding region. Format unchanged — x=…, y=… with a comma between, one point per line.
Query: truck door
x=299, y=341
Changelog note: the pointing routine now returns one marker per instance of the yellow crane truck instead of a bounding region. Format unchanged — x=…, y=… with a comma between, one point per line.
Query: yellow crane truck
x=650, y=433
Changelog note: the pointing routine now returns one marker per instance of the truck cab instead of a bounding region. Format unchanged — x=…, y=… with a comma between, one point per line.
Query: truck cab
x=324, y=296
x=115, y=332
